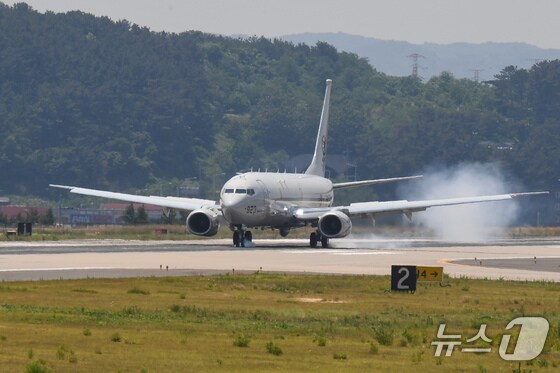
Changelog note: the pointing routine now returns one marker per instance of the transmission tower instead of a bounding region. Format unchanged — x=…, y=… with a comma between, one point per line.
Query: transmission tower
x=477, y=74
x=415, y=57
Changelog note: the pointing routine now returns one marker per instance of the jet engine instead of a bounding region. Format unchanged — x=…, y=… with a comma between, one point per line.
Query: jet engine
x=335, y=224
x=203, y=222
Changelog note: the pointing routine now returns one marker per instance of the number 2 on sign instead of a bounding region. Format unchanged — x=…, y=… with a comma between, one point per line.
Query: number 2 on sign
x=400, y=285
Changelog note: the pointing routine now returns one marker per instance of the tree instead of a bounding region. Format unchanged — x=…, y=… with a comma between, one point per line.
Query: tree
x=128, y=217
x=33, y=216
x=141, y=216
x=48, y=218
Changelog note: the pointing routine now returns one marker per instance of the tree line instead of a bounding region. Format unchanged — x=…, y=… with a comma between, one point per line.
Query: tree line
x=92, y=102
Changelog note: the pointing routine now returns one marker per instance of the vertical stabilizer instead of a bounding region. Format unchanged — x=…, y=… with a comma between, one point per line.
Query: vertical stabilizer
x=317, y=166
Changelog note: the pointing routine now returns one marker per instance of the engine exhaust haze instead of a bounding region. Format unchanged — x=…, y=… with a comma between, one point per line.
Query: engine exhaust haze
x=476, y=222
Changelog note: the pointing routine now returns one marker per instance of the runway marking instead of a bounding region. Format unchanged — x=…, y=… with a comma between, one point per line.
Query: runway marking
x=506, y=258
x=63, y=269
x=342, y=252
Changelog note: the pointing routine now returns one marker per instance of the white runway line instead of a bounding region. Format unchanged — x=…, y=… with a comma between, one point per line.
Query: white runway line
x=342, y=252
x=61, y=269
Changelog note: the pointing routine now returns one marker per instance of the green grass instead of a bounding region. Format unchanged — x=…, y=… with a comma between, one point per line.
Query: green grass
x=98, y=325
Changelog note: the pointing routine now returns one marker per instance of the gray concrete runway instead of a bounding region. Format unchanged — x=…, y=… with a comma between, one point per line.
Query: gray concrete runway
x=508, y=259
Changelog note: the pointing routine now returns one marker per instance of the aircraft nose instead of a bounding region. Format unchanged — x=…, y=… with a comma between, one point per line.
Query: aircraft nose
x=231, y=201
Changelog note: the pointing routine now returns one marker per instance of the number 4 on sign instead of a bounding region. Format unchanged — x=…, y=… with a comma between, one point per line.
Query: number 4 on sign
x=429, y=274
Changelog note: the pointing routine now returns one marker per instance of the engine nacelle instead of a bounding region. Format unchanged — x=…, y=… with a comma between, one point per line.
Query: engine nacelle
x=203, y=222
x=335, y=224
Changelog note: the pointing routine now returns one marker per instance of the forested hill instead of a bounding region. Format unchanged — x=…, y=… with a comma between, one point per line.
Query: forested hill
x=91, y=102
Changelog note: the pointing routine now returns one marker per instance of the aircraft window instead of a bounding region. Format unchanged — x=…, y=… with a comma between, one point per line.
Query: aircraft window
x=229, y=191
x=250, y=192
x=240, y=191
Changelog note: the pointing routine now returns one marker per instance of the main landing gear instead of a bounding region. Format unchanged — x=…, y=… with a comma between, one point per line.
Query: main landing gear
x=242, y=237
x=316, y=237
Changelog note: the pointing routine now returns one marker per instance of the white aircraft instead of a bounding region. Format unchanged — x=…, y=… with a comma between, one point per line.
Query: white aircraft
x=287, y=200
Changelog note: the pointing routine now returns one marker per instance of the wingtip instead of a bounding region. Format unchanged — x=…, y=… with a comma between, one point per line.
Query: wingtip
x=515, y=195
x=61, y=186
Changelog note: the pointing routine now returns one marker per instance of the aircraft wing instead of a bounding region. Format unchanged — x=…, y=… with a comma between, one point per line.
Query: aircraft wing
x=188, y=204
x=371, y=182
x=403, y=207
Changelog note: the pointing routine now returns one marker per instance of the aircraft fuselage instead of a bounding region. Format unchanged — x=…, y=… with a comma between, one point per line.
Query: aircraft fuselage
x=261, y=199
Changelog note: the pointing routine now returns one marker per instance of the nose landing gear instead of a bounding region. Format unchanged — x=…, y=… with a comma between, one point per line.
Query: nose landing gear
x=242, y=237
x=284, y=232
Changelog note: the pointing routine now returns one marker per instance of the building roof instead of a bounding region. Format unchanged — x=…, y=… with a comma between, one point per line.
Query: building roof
x=13, y=211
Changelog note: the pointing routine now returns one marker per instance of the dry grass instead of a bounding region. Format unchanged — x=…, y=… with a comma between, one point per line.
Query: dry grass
x=178, y=232
x=137, y=232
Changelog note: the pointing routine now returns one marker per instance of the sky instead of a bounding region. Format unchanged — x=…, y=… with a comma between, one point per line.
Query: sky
x=416, y=21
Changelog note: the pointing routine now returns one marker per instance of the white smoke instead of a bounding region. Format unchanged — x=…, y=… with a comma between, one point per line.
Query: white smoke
x=463, y=223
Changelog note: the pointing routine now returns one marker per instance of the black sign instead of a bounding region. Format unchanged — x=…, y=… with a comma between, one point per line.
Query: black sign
x=24, y=229
x=403, y=278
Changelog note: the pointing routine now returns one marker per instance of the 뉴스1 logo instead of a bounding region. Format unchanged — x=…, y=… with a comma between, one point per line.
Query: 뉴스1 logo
x=530, y=342
x=529, y=345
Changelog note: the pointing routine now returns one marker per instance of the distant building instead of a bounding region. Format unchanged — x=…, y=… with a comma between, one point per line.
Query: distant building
x=106, y=214
x=117, y=209
x=13, y=212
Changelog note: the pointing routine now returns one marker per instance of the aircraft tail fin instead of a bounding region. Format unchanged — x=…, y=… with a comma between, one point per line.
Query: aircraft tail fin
x=317, y=166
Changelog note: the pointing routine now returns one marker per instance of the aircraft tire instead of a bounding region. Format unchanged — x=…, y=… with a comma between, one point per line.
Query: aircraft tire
x=324, y=242
x=236, y=239
x=249, y=236
x=313, y=239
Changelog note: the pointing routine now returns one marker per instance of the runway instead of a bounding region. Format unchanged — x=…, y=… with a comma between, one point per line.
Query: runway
x=519, y=259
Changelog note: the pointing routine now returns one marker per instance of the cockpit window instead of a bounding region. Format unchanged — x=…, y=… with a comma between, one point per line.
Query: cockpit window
x=240, y=191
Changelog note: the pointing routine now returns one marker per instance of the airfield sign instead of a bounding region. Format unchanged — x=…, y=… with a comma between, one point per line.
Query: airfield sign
x=403, y=278
x=429, y=274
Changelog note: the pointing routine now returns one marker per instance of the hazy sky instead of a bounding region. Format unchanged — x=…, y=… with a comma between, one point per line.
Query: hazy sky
x=535, y=22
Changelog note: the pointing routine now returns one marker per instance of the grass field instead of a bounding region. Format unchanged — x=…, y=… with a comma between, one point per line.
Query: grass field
x=262, y=322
